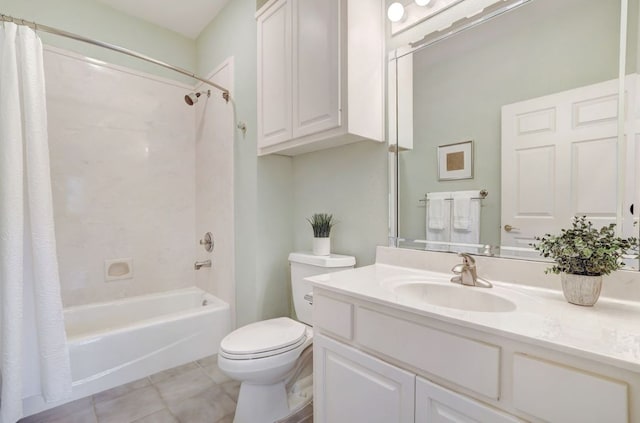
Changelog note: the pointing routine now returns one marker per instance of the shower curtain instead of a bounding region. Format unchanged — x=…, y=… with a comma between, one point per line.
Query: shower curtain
x=33, y=351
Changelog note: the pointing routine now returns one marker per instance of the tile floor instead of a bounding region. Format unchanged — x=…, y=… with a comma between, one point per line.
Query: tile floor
x=197, y=392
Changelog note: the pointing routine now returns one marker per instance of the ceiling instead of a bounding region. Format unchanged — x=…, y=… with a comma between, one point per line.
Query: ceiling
x=186, y=17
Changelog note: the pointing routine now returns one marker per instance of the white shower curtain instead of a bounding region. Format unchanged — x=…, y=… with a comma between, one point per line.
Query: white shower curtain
x=32, y=339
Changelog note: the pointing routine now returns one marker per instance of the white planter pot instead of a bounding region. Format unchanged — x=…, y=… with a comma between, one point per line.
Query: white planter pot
x=322, y=246
x=581, y=290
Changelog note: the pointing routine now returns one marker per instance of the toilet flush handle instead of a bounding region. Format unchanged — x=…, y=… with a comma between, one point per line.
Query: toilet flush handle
x=309, y=298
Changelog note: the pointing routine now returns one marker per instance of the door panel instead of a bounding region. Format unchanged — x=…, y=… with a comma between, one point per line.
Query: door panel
x=559, y=160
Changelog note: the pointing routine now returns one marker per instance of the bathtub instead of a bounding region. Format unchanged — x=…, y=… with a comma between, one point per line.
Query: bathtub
x=117, y=342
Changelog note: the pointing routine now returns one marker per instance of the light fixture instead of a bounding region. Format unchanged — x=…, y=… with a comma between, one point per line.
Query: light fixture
x=395, y=12
x=423, y=2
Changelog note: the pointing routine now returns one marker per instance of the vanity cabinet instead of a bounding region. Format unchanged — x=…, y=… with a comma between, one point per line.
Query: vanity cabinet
x=320, y=74
x=356, y=387
x=561, y=393
x=435, y=404
x=374, y=362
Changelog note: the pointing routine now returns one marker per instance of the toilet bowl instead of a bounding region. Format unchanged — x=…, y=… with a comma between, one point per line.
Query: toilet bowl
x=242, y=360
x=265, y=356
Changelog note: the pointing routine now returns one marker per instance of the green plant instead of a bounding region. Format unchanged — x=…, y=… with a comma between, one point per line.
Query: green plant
x=584, y=250
x=321, y=224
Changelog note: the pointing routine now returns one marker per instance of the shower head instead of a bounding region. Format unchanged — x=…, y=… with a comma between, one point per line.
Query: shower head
x=192, y=98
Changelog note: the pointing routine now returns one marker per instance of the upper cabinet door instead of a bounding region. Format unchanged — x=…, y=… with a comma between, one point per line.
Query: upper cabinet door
x=274, y=75
x=316, y=66
x=320, y=74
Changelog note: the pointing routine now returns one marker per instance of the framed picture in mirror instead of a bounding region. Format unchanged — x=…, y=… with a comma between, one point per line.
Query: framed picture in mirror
x=455, y=161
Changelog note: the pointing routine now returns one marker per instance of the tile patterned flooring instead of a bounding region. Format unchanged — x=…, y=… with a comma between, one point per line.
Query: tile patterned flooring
x=197, y=392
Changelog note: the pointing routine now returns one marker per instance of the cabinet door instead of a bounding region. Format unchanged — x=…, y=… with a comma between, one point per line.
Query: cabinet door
x=554, y=392
x=435, y=404
x=274, y=75
x=351, y=386
x=316, y=73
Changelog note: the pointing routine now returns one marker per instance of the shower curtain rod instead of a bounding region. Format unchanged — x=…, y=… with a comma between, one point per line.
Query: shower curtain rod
x=44, y=28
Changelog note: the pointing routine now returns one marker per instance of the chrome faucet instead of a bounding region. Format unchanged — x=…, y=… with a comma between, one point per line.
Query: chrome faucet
x=198, y=264
x=466, y=273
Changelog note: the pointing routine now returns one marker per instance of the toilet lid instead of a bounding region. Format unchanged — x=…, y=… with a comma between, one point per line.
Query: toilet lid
x=267, y=335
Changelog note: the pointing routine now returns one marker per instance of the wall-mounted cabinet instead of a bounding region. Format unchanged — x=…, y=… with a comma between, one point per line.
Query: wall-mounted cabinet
x=320, y=74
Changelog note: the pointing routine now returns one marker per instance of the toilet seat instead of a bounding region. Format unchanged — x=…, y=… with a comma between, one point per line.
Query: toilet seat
x=263, y=339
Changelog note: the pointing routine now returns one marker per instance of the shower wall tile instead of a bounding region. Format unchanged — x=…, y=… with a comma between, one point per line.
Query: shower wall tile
x=214, y=188
x=122, y=149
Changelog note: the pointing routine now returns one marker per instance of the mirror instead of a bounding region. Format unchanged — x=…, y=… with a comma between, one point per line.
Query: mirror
x=631, y=203
x=522, y=108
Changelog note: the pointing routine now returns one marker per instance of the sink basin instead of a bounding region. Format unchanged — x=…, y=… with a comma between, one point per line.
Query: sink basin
x=454, y=296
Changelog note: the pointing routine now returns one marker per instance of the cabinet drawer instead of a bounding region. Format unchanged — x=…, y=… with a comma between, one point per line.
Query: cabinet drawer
x=470, y=364
x=557, y=393
x=333, y=316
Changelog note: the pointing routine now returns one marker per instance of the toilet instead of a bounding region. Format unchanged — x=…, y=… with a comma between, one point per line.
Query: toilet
x=265, y=356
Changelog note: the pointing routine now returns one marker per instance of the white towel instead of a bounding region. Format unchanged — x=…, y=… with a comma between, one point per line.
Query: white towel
x=462, y=209
x=436, y=214
x=469, y=214
x=441, y=229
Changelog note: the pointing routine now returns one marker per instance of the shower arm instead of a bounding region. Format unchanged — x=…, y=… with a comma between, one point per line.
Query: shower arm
x=44, y=28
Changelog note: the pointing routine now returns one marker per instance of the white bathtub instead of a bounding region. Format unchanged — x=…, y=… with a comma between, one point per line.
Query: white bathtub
x=117, y=342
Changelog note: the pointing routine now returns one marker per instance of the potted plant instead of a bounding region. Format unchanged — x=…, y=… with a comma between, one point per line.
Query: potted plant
x=582, y=256
x=321, y=224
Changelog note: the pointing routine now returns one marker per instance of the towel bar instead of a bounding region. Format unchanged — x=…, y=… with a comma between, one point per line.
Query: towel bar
x=483, y=194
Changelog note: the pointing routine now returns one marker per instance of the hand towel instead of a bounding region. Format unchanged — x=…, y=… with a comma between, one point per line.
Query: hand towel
x=462, y=209
x=438, y=231
x=436, y=210
x=468, y=232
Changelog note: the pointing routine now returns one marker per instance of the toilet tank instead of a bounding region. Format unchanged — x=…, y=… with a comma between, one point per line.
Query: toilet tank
x=305, y=264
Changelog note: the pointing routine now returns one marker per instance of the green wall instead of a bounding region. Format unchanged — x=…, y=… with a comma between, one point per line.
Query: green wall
x=273, y=194
x=263, y=194
x=96, y=20
x=351, y=182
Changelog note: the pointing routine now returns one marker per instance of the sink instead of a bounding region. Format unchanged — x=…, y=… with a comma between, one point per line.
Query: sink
x=453, y=296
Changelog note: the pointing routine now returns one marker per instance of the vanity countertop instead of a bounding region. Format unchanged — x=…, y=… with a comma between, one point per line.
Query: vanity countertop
x=608, y=332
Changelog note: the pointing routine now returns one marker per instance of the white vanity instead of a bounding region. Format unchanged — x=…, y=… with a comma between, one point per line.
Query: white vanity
x=395, y=342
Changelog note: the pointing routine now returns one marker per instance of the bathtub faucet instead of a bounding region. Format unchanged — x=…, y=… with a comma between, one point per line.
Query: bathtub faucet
x=198, y=264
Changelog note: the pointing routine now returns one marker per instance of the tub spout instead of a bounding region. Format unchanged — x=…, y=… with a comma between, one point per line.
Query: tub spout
x=198, y=264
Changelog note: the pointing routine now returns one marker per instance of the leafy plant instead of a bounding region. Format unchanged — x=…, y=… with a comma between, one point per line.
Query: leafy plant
x=321, y=224
x=584, y=250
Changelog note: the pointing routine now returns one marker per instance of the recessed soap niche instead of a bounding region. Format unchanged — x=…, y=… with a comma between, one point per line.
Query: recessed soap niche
x=118, y=269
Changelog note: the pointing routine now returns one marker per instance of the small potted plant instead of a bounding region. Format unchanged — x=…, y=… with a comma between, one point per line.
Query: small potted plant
x=583, y=255
x=321, y=224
